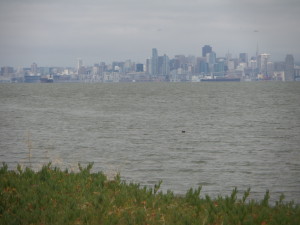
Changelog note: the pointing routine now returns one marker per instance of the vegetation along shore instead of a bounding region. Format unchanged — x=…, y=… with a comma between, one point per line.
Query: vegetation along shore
x=53, y=196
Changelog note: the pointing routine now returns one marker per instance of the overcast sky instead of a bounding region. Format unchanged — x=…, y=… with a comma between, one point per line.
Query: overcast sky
x=57, y=32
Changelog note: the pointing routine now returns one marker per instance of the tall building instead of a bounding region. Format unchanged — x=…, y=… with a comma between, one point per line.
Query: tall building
x=139, y=67
x=262, y=64
x=96, y=69
x=253, y=66
x=289, y=70
x=7, y=71
x=206, y=49
x=80, y=68
x=243, y=58
x=34, y=68
x=270, y=69
x=231, y=65
x=201, y=66
x=148, y=66
x=181, y=59
x=79, y=64
x=257, y=51
x=174, y=64
x=219, y=67
x=165, y=65
x=154, y=62
x=211, y=60
x=128, y=66
x=279, y=66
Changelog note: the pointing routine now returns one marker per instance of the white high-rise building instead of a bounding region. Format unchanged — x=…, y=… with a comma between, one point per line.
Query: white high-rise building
x=34, y=68
x=79, y=64
x=262, y=63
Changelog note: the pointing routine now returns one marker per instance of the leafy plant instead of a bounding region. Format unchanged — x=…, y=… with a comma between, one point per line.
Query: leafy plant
x=52, y=196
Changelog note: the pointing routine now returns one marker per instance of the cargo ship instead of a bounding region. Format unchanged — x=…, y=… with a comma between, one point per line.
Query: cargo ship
x=221, y=79
x=47, y=79
x=32, y=79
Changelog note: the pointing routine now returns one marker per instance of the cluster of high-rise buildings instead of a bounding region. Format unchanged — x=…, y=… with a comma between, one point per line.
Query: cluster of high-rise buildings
x=180, y=68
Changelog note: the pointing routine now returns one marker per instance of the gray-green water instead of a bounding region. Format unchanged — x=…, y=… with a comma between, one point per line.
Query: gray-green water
x=236, y=134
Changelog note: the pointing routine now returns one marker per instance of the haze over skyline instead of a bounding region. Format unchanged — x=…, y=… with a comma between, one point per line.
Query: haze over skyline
x=58, y=32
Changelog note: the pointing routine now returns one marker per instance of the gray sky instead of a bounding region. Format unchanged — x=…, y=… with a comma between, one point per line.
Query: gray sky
x=57, y=32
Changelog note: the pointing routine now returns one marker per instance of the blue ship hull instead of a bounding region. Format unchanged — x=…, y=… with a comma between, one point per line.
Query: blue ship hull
x=221, y=80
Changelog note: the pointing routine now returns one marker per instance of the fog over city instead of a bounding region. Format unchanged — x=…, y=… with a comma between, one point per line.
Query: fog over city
x=57, y=32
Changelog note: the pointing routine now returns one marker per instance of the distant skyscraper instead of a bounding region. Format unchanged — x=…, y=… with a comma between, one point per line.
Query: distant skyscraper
x=211, y=60
x=206, y=49
x=34, y=68
x=204, y=67
x=289, y=70
x=279, y=66
x=219, y=67
x=165, y=65
x=7, y=71
x=201, y=66
x=257, y=51
x=270, y=69
x=139, y=67
x=79, y=64
x=148, y=66
x=211, y=57
x=160, y=65
x=262, y=63
x=154, y=62
x=243, y=58
x=230, y=65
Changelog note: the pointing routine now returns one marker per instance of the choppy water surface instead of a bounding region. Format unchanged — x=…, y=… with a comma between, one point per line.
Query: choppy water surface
x=236, y=134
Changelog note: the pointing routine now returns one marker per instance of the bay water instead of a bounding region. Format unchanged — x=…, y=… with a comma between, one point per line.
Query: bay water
x=215, y=135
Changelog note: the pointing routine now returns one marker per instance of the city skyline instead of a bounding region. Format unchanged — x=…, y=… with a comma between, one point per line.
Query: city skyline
x=160, y=67
x=56, y=33
x=81, y=61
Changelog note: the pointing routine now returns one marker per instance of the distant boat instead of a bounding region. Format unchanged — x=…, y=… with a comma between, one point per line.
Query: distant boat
x=221, y=79
x=32, y=79
x=47, y=79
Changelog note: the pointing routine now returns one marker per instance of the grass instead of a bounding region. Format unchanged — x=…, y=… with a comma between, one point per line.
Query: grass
x=53, y=196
